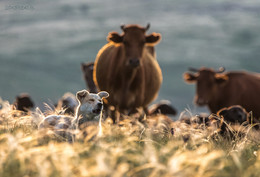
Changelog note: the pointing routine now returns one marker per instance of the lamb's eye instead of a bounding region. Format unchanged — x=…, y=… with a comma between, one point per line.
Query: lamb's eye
x=91, y=100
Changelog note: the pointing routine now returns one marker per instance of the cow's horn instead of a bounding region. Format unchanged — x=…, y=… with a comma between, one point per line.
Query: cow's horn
x=221, y=70
x=123, y=27
x=147, y=27
x=193, y=69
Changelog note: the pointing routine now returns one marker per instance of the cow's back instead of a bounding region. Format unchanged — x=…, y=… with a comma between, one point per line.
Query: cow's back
x=243, y=89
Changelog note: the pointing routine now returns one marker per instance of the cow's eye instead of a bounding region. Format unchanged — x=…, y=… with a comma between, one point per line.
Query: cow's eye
x=126, y=43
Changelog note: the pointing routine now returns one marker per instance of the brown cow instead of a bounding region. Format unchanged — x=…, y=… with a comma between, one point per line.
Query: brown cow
x=218, y=90
x=127, y=68
x=87, y=69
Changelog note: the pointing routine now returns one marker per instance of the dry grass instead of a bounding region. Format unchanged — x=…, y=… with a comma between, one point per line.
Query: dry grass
x=127, y=149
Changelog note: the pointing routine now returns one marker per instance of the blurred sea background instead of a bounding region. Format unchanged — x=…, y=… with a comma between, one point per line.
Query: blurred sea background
x=43, y=43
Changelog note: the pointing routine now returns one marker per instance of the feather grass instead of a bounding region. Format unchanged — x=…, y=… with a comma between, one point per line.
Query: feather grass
x=156, y=148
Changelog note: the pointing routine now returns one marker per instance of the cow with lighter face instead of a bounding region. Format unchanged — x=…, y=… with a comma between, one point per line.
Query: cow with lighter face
x=127, y=68
x=219, y=89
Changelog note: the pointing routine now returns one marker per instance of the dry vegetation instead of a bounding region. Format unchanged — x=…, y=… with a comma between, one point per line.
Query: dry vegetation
x=155, y=148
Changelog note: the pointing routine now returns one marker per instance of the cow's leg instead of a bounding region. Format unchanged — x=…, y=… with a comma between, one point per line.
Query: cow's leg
x=132, y=111
x=146, y=110
x=117, y=115
x=143, y=114
x=109, y=112
x=114, y=114
x=105, y=110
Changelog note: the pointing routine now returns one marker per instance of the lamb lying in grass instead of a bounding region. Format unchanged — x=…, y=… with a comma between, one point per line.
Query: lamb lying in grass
x=89, y=110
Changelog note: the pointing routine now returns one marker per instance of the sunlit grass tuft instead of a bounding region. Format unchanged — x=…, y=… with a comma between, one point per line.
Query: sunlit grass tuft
x=154, y=148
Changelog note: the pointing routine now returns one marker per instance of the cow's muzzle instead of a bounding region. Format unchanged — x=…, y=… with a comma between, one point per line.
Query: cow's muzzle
x=135, y=62
x=200, y=101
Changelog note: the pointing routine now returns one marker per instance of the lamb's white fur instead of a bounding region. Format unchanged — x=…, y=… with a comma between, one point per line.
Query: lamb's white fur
x=89, y=109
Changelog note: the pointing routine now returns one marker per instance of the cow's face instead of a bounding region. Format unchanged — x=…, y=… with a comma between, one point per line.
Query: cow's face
x=134, y=39
x=207, y=84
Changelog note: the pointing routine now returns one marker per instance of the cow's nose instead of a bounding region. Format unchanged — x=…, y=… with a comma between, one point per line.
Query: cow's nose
x=200, y=102
x=134, y=62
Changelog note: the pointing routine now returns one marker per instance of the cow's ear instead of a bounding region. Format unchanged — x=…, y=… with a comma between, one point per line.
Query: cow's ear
x=221, y=78
x=103, y=94
x=87, y=66
x=114, y=37
x=81, y=95
x=153, y=38
x=188, y=77
x=83, y=66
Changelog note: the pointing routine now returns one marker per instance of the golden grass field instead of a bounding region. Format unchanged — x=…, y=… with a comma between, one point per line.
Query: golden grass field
x=130, y=148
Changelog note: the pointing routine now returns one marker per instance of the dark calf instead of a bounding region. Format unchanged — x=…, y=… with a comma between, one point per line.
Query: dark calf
x=234, y=114
x=163, y=107
x=231, y=122
x=23, y=102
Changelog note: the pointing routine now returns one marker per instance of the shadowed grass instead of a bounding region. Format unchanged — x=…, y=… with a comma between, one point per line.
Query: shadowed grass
x=127, y=149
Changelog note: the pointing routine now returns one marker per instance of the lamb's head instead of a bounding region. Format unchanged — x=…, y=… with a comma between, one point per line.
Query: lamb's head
x=90, y=104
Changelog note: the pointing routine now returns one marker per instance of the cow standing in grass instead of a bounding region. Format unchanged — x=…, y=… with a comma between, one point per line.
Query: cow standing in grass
x=87, y=70
x=127, y=68
x=218, y=89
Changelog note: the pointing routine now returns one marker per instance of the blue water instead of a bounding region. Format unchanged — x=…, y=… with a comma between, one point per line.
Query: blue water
x=42, y=43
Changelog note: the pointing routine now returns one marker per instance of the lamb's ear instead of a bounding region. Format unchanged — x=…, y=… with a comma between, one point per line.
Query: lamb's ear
x=114, y=37
x=81, y=95
x=103, y=94
x=189, y=78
